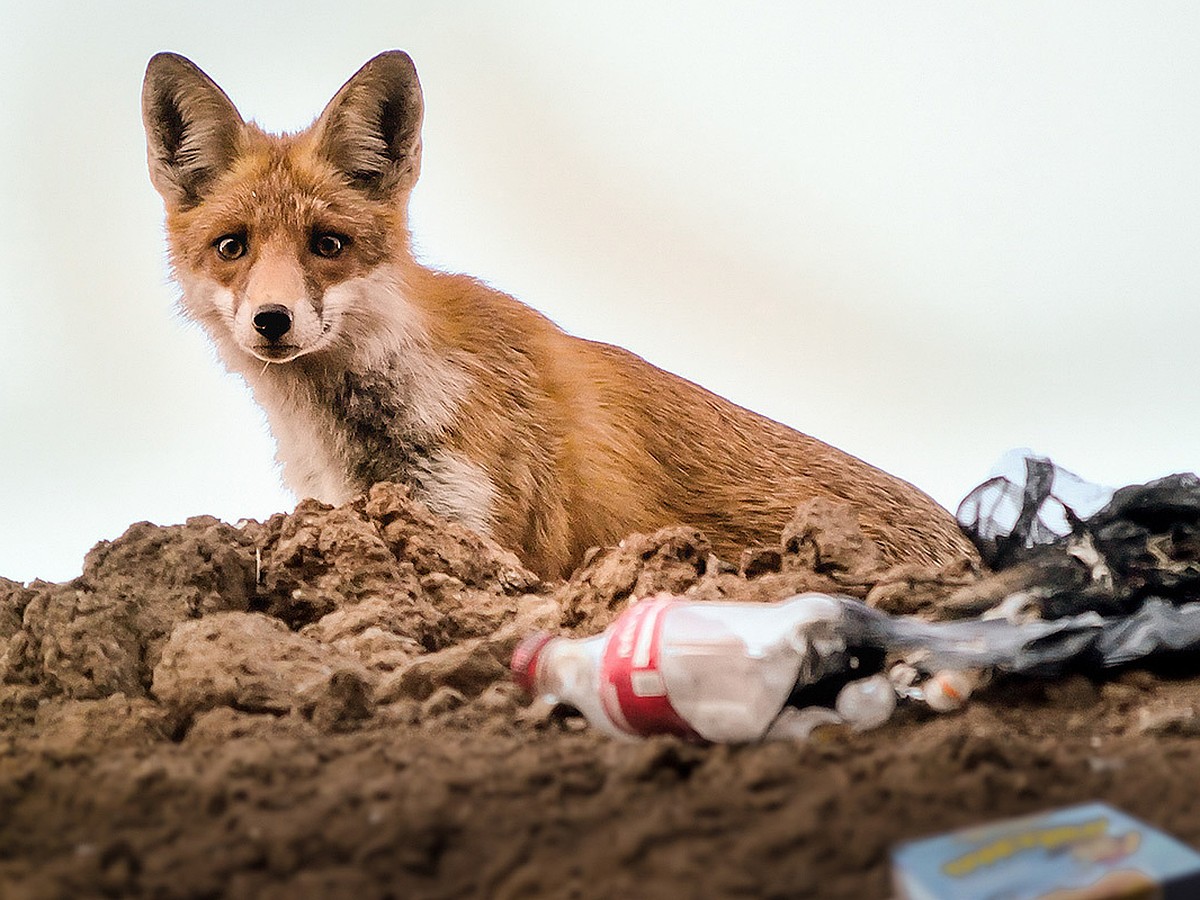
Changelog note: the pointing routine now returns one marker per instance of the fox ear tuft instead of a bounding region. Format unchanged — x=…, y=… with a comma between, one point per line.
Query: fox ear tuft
x=192, y=128
x=371, y=129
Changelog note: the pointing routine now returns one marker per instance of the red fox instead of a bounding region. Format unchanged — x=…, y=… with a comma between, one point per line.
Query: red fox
x=294, y=253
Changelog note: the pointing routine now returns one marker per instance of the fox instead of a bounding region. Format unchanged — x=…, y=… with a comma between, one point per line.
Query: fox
x=293, y=253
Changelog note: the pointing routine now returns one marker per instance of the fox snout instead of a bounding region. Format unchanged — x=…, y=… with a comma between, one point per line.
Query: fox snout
x=279, y=332
x=269, y=332
x=279, y=313
x=273, y=321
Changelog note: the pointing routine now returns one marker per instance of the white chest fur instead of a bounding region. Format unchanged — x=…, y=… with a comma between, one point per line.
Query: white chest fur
x=382, y=410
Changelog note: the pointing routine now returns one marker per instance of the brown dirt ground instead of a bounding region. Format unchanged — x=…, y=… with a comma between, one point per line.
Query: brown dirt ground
x=318, y=706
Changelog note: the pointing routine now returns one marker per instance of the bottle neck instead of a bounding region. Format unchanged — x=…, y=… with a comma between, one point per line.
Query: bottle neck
x=566, y=670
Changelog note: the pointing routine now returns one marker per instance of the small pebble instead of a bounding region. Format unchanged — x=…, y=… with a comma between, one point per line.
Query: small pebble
x=866, y=703
x=1179, y=720
x=948, y=690
x=801, y=724
x=443, y=700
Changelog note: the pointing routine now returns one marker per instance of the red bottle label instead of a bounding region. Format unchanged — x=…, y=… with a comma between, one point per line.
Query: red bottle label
x=632, y=687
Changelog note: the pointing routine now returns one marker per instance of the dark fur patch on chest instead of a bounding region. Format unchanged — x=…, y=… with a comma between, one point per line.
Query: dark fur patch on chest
x=371, y=410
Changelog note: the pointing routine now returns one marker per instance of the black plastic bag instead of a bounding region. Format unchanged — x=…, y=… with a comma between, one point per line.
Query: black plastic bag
x=1066, y=551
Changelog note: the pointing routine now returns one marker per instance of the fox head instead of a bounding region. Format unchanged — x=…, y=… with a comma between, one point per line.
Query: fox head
x=273, y=238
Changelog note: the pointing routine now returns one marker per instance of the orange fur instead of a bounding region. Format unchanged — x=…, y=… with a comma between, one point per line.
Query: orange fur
x=551, y=443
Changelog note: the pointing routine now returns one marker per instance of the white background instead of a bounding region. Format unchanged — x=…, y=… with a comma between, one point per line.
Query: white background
x=923, y=232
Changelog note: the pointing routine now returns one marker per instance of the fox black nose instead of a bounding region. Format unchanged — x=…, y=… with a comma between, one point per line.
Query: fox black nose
x=273, y=321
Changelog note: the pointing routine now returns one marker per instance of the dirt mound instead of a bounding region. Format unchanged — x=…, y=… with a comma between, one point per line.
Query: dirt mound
x=319, y=706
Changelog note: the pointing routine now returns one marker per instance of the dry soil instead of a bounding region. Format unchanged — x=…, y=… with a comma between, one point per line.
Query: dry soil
x=318, y=706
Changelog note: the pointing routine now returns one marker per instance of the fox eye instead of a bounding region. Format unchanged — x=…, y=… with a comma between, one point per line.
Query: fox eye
x=230, y=246
x=327, y=244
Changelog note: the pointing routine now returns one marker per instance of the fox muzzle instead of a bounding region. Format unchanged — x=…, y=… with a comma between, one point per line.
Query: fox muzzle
x=272, y=321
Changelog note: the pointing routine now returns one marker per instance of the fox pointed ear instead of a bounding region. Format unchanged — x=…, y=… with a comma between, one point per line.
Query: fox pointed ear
x=371, y=129
x=192, y=128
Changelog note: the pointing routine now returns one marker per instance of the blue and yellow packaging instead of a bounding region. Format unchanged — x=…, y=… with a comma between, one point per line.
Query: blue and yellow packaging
x=1088, y=852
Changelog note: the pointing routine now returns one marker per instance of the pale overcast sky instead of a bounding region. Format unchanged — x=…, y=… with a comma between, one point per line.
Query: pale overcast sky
x=923, y=232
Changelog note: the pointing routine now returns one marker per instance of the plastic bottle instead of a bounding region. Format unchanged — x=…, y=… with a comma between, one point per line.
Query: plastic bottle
x=719, y=672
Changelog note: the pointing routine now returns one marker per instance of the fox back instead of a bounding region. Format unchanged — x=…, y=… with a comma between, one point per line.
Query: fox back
x=294, y=253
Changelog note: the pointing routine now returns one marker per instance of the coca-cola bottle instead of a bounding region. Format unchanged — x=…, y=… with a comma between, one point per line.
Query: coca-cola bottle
x=718, y=672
